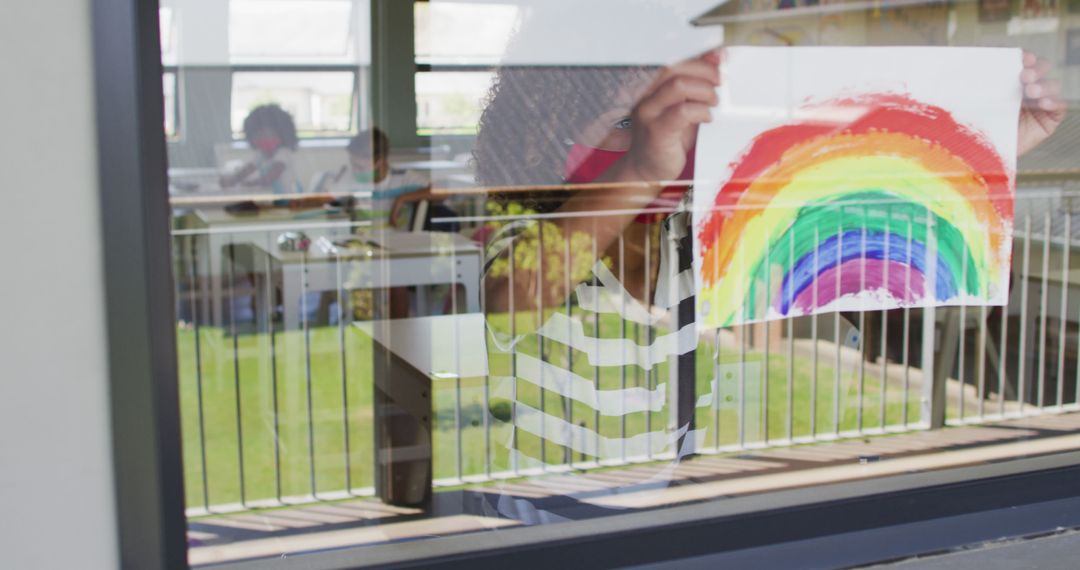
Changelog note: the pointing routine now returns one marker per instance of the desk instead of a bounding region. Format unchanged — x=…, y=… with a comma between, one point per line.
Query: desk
x=391, y=258
x=211, y=231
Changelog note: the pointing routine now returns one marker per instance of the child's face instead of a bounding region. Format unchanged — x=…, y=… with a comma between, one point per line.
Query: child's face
x=365, y=169
x=266, y=141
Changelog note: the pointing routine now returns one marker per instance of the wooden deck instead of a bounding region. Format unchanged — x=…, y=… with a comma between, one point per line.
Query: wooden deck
x=582, y=495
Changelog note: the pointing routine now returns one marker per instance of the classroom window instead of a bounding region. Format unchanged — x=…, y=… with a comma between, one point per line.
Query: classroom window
x=322, y=103
x=446, y=34
x=167, y=30
x=168, y=87
x=450, y=102
x=291, y=31
x=450, y=97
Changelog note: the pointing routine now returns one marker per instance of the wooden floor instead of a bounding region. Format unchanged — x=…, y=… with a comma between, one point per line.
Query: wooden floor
x=582, y=495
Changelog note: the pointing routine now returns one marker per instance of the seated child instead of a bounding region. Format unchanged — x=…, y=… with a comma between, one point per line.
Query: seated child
x=270, y=131
x=369, y=170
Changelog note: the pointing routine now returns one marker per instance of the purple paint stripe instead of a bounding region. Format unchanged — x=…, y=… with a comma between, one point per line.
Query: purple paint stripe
x=852, y=279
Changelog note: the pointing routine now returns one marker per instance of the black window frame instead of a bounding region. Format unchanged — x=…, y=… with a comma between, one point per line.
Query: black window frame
x=141, y=345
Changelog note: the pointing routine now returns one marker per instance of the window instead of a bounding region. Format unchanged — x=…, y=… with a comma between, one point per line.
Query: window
x=519, y=358
x=172, y=104
x=322, y=103
x=450, y=102
x=292, y=31
x=453, y=59
x=168, y=34
x=447, y=34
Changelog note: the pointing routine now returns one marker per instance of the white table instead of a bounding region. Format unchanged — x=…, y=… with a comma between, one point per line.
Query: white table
x=389, y=258
x=212, y=231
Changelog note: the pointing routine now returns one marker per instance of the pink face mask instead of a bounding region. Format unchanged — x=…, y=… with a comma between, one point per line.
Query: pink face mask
x=585, y=164
x=267, y=145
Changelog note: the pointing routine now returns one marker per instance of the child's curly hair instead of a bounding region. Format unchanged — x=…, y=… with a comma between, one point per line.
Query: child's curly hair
x=274, y=118
x=530, y=119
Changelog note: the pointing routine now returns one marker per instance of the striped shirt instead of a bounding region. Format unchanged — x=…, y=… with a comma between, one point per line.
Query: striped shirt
x=598, y=380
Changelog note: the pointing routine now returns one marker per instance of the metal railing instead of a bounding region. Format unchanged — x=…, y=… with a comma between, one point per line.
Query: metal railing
x=277, y=413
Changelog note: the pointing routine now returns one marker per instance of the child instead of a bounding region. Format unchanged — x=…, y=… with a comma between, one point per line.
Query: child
x=568, y=258
x=369, y=170
x=270, y=131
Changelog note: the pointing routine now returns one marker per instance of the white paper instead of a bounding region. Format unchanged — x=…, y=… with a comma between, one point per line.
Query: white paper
x=765, y=88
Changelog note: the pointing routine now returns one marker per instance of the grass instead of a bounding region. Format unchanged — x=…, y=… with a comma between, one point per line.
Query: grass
x=251, y=372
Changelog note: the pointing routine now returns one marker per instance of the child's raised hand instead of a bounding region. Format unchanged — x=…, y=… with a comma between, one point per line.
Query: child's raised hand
x=1043, y=109
x=667, y=115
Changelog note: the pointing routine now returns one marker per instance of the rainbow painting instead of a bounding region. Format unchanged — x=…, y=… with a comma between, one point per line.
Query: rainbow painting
x=891, y=202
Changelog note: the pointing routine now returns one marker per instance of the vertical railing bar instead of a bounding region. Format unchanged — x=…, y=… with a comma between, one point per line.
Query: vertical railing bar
x=273, y=375
x=716, y=377
x=814, y=334
x=1043, y=294
x=862, y=321
x=1064, y=309
x=836, y=326
x=650, y=375
x=486, y=413
x=622, y=301
x=540, y=339
x=906, y=342
x=568, y=411
x=513, y=363
x=764, y=406
x=715, y=405
x=596, y=346
x=981, y=370
x=236, y=369
x=460, y=448
x=193, y=276
x=1022, y=385
x=344, y=373
x=1076, y=387
x=307, y=372
x=790, y=343
x=1003, y=353
x=742, y=383
x=743, y=330
x=883, y=404
x=962, y=346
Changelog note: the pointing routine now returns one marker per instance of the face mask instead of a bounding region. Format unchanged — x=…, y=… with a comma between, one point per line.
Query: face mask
x=585, y=164
x=267, y=145
x=364, y=177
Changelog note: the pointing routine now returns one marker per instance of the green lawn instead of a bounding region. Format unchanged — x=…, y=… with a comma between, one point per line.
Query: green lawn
x=219, y=372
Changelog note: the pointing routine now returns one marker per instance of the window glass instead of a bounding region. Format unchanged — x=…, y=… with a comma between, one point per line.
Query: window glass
x=290, y=30
x=168, y=35
x=550, y=260
x=322, y=103
x=168, y=87
x=450, y=102
x=446, y=34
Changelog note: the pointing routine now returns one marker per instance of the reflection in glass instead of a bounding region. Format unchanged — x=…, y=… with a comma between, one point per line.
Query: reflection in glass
x=322, y=103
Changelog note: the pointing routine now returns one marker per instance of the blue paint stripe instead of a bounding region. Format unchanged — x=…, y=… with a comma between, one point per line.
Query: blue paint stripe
x=802, y=275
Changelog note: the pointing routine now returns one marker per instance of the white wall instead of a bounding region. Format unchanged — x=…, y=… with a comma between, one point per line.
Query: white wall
x=56, y=483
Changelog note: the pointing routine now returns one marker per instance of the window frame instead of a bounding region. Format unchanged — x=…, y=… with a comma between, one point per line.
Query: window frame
x=141, y=347
x=979, y=502
x=140, y=340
